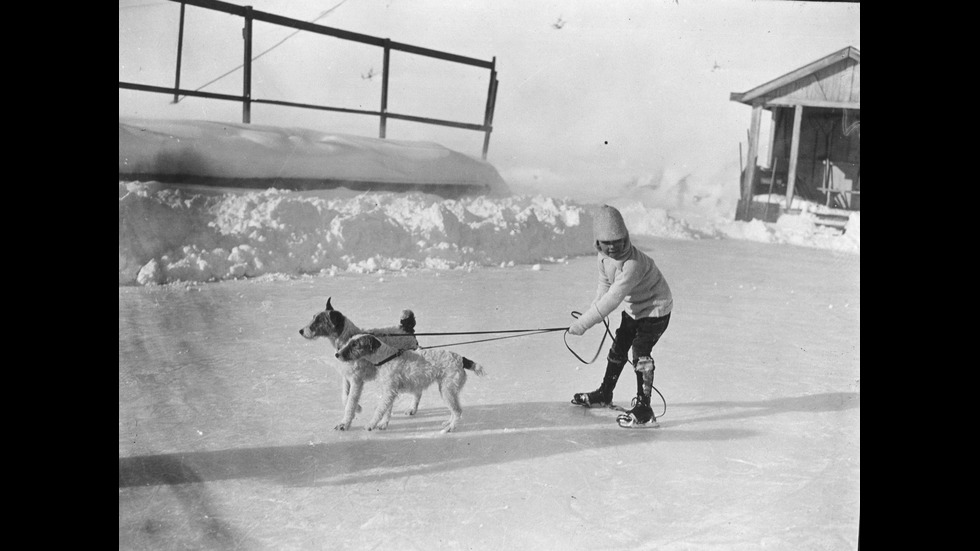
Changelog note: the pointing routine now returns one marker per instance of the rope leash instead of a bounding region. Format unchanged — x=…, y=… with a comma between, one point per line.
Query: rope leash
x=598, y=349
x=521, y=333
x=524, y=333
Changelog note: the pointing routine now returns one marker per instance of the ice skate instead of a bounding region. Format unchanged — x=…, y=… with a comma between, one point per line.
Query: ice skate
x=640, y=416
x=597, y=398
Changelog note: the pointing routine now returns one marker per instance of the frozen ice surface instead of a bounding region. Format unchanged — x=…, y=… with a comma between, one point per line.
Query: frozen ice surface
x=226, y=413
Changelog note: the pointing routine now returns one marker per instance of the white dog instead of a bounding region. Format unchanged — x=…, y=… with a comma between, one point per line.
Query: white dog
x=338, y=329
x=411, y=371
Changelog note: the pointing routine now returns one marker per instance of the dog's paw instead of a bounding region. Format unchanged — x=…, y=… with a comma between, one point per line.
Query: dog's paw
x=411, y=411
x=448, y=426
x=342, y=426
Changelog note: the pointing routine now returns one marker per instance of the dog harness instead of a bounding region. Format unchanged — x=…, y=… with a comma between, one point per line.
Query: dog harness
x=389, y=358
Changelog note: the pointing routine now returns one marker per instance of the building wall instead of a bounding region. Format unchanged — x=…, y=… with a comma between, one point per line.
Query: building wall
x=824, y=133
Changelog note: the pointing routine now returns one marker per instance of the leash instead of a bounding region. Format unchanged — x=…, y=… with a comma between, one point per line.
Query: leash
x=522, y=333
x=598, y=349
x=519, y=333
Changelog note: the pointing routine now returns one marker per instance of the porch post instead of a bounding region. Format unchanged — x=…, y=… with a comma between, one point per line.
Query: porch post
x=751, y=160
x=794, y=153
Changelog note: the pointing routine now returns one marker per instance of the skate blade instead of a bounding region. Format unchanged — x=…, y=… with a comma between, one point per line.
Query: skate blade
x=630, y=423
x=595, y=406
x=587, y=404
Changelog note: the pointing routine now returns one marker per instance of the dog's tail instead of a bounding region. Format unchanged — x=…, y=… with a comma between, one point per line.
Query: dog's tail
x=473, y=366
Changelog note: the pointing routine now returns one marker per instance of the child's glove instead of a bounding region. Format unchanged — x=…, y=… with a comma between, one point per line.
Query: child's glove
x=577, y=329
x=585, y=321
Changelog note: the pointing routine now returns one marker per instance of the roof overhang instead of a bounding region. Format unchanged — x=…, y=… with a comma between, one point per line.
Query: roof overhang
x=751, y=97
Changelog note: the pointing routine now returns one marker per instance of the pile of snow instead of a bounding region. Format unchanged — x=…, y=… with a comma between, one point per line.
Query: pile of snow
x=169, y=234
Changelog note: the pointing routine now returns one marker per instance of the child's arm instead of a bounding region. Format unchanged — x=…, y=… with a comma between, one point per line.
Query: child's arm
x=609, y=300
x=603, y=284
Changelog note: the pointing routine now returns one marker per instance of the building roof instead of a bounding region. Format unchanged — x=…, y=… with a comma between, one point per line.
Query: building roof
x=831, y=81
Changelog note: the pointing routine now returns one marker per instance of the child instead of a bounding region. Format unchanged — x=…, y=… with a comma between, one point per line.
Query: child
x=626, y=274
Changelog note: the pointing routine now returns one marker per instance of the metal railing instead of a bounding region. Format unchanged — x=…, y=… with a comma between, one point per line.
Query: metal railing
x=249, y=15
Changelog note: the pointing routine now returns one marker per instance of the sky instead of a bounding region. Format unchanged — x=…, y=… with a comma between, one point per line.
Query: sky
x=625, y=95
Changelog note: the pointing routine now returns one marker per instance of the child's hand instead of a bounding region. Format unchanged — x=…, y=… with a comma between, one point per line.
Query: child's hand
x=586, y=320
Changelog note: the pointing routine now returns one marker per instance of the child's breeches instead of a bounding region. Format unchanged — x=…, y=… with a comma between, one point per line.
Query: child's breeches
x=639, y=335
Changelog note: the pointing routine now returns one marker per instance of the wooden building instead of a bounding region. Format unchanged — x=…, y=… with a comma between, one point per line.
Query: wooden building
x=815, y=138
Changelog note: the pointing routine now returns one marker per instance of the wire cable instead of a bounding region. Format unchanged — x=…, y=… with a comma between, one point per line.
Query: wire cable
x=274, y=46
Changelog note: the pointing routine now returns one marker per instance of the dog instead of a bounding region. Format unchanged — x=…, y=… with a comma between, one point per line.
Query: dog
x=338, y=329
x=410, y=371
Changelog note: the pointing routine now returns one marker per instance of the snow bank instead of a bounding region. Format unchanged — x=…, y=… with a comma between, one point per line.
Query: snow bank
x=168, y=234
x=800, y=229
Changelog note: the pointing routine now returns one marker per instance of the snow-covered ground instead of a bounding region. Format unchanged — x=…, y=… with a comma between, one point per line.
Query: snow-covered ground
x=226, y=412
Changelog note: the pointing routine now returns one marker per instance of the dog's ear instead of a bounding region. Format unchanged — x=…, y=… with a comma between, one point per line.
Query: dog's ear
x=336, y=319
x=373, y=343
x=329, y=308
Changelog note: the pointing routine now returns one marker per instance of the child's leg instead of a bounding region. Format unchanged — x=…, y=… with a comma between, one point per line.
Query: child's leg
x=641, y=414
x=648, y=334
x=615, y=361
x=619, y=351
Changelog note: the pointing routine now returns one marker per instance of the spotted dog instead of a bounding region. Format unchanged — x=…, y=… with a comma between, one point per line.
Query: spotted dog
x=338, y=329
x=410, y=371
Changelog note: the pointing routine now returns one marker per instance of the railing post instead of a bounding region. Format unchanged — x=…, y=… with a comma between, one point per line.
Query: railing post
x=180, y=52
x=247, y=78
x=382, y=132
x=491, y=100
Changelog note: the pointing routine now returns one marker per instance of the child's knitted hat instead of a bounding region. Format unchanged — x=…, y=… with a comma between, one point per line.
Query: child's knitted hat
x=608, y=224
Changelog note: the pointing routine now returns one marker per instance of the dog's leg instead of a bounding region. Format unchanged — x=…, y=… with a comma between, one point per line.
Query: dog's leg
x=387, y=416
x=344, y=393
x=352, y=405
x=450, y=393
x=382, y=415
x=415, y=403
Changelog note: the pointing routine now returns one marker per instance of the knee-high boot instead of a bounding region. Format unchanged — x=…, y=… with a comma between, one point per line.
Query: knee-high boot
x=603, y=395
